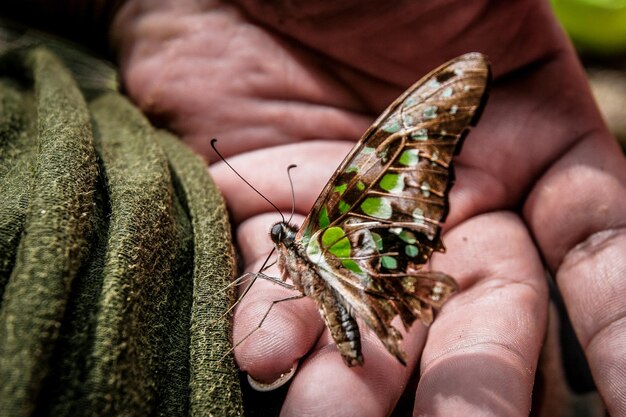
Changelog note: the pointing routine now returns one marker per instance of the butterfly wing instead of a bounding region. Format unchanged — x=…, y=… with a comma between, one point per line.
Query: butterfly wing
x=377, y=221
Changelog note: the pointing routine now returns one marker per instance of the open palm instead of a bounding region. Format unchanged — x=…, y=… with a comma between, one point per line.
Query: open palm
x=540, y=183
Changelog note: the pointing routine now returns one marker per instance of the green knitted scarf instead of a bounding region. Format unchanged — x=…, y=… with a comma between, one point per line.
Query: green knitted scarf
x=114, y=251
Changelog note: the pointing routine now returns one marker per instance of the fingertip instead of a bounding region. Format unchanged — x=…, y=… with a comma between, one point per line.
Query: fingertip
x=289, y=331
x=325, y=386
x=271, y=386
x=480, y=383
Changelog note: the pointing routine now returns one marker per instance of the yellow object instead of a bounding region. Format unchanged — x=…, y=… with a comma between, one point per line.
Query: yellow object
x=597, y=26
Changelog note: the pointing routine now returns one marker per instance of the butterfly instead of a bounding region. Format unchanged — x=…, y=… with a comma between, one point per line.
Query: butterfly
x=361, y=249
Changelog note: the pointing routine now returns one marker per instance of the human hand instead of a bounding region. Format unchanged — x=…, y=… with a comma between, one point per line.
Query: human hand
x=539, y=178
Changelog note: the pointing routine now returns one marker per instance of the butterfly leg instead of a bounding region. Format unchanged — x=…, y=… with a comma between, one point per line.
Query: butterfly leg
x=275, y=281
x=239, y=281
x=293, y=297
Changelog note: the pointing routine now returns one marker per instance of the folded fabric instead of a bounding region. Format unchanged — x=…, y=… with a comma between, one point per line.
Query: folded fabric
x=115, y=250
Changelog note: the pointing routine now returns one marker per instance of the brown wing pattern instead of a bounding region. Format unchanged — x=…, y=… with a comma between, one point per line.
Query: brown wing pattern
x=377, y=221
x=413, y=141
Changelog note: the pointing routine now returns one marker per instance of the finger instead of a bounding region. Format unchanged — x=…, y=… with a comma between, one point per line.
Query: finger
x=290, y=329
x=591, y=280
x=483, y=348
x=325, y=386
x=577, y=212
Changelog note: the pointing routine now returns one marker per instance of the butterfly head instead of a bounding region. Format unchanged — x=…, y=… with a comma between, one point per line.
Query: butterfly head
x=283, y=233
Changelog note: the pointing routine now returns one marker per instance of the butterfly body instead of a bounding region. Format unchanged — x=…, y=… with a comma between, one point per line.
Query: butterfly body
x=295, y=265
x=361, y=250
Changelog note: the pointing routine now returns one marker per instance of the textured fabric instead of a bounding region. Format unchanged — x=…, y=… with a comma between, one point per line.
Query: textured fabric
x=114, y=250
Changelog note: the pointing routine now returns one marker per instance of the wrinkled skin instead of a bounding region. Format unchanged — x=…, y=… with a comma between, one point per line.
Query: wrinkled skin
x=540, y=178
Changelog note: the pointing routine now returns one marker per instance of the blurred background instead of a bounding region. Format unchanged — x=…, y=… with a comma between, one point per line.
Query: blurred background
x=598, y=29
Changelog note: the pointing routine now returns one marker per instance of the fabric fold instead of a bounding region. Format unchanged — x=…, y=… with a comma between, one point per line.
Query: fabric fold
x=115, y=249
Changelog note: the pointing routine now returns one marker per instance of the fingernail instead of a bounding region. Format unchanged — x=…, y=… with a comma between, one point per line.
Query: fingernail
x=282, y=380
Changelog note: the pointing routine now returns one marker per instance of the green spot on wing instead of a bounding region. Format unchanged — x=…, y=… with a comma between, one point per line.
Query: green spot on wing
x=343, y=206
x=425, y=187
x=335, y=241
x=407, y=236
x=360, y=186
x=378, y=241
x=409, y=157
x=391, y=126
x=430, y=112
x=313, y=250
x=378, y=207
x=324, y=220
x=392, y=183
x=411, y=251
x=383, y=154
x=418, y=215
x=352, y=168
x=352, y=266
x=340, y=188
x=433, y=83
x=389, y=262
x=420, y=134
x=367, y=150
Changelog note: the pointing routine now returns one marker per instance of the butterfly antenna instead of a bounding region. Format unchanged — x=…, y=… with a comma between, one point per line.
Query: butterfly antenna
x=243, y=179
x=293, y=193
